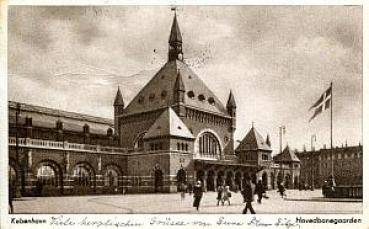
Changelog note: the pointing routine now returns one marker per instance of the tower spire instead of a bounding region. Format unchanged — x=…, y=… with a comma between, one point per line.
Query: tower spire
x=175, y=41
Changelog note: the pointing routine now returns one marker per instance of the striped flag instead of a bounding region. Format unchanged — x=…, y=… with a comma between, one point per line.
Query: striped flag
x=323, y=103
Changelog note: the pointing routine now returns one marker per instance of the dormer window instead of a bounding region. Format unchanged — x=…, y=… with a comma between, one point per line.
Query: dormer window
x=163, y=94
x=141, y=99
x=189, y=76
x=211, y=100
x=86, y=129
x=109, y=132
x=191, y=94
x=151, y=97
x=201, y=97
x=59, y=125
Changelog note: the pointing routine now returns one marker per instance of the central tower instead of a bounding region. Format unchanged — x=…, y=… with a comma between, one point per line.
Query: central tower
x=175, y=42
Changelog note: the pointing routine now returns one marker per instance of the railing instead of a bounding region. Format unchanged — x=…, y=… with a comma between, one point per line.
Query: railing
x=47, y=144
x=206, y=156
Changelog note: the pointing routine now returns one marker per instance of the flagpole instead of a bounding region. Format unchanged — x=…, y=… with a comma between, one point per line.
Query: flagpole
x=332, y=172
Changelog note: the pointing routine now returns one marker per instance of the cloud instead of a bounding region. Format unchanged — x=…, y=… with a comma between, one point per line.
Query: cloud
x=276, y=59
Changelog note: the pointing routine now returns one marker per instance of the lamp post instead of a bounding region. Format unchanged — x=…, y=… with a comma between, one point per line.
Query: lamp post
x=313, y=140
x=20, y=176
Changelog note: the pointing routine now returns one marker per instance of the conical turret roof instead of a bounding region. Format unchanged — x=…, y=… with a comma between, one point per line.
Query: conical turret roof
x=118, y=99
x=175, y=33
x=231, y=101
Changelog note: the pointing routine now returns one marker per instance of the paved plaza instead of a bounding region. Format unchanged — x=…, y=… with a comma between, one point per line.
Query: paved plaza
x=297, y=202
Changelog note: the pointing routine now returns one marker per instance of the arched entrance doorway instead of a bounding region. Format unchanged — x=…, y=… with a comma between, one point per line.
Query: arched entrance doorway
x=264, y=180
x=238, y=181
x=111, y=179
x=220, y=179
x=296, y=183
x=287, y=181
x=181, y=178
x=210, y=181
x=84, y=182
x=48, y=179
x=158, y=180
x=229, y=180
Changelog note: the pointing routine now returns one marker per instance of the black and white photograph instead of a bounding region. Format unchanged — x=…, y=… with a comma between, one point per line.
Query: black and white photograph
x=184, y=109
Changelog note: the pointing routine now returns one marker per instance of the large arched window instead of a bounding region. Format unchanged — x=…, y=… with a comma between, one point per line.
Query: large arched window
x=47, y=175
x=208, y=145
x=82, y=175
x=111, y=176
x=139, y=141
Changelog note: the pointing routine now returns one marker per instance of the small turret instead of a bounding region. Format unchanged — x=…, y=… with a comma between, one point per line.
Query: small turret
x=175, y=42
x=268, y=141
x=231, y=105
x=118, y=109
x=179, y=95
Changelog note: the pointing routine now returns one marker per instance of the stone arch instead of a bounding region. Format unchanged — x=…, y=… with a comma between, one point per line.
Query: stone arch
x=181, y=178
x=229, y=179
x=49, y=175
x=212, y=132
x=238, y=181
x=220, y=178
x=210, y=181
x=111, y=173
x=158, y=179
x=84, y=178
x=287, y=181
x=138, y=142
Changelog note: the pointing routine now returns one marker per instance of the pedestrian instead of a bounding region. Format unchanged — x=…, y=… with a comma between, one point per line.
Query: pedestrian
x=197, y=195
x=259, y=190
x=220, y=194
x=248, y=195
x=227, y=195
x=189, y=188
x=281, y=190
x=183, y=191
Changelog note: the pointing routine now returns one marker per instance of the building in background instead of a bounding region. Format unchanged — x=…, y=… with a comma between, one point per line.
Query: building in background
x=347, y=166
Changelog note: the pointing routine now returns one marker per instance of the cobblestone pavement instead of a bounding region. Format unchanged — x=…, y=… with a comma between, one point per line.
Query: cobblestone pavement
x=171, y=203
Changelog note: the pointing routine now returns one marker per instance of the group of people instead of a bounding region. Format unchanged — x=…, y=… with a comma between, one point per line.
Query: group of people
x=224, y=194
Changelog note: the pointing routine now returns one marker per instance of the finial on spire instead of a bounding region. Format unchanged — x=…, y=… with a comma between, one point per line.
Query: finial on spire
x=175, y=40
x=252, y=124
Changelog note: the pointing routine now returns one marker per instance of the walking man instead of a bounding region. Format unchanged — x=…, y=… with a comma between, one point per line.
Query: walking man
x=220, y=194
x=259, y=190
x=197, y=195
x=248, y=195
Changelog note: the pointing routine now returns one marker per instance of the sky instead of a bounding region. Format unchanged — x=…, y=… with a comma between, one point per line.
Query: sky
x=277, y=60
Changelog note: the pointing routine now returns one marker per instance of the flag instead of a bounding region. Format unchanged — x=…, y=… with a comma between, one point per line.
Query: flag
x=322, y=104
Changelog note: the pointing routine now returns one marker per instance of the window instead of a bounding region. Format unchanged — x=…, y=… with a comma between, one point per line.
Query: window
x=109, y=132
x=151, y=97
x=111, y=177
x=339, y=155
x=141, y=99
x=208, y=144
x=211, y=100
x=178, y=146
x=201, y=97
x=264, y=157
x=59, y=125
x=163, y=94
x=191, y=94
x=86, y=129
x=82, y=176
x=46, y=174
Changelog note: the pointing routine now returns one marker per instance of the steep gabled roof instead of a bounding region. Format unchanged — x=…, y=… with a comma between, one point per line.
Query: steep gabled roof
x=253, y=141
x=168, y=124
x=161, y=88
x=287, y=155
